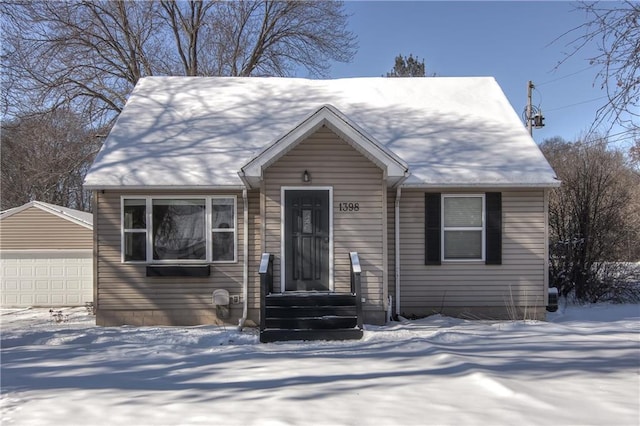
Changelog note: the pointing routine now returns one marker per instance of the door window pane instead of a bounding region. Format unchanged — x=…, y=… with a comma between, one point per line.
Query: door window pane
x=307, y=225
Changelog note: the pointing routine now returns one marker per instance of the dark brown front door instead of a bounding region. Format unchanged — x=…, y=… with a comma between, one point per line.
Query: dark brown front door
x=306, y=240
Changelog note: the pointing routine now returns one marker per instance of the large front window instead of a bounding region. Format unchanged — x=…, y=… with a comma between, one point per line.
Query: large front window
x=166, y=230
x=179, y=229
x=463, y=227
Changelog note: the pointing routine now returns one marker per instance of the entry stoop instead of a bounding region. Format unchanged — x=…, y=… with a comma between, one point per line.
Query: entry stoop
x=310, y=316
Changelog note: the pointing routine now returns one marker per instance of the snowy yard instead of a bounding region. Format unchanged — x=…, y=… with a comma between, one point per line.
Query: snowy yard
x=581, y=368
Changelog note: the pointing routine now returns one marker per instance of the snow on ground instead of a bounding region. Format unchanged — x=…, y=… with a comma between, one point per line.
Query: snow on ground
x=580, y=368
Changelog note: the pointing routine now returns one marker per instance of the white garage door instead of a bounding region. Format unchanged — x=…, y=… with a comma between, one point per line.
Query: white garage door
x=53, y=278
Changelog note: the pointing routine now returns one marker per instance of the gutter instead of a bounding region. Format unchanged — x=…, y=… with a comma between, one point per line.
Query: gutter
x=423, y=185
x=245, y=263
x=174, y=188
x=397, y=247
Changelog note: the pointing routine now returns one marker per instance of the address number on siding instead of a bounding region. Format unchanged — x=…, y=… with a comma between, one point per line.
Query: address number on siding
x=349, y=207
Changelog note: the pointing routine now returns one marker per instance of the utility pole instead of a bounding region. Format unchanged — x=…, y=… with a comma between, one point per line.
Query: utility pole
x=529, y=113
x=532, y=115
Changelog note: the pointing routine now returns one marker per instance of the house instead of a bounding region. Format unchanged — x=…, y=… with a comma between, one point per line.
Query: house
x=416, y=195
x=46, y=256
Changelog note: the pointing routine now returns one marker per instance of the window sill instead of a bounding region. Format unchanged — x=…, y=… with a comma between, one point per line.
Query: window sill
x=178, y=271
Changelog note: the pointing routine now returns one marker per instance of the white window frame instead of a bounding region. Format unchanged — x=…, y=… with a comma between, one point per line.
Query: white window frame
x=149, y=222
x=213, y=230
x=126, y=231
x=482, y=228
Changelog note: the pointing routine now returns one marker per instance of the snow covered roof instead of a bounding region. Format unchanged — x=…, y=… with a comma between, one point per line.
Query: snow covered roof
x=199, y=132
x=76, y=216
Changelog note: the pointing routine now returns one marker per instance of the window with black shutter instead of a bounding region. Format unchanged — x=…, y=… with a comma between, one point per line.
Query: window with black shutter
x=432, y=229
x=463, y=227
x=494, y=228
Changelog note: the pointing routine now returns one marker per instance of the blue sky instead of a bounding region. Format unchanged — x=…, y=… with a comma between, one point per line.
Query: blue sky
x=511, y=41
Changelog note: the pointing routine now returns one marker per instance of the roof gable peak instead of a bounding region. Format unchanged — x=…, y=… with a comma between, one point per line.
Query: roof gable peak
x=394, y=168
x=75, y=216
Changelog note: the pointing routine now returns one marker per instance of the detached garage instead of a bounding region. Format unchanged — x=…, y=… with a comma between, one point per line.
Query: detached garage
x=46, y=256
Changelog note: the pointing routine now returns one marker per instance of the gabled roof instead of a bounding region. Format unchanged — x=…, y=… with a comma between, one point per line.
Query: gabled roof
x=198, y=132
x=76, y=216
x=394, y=168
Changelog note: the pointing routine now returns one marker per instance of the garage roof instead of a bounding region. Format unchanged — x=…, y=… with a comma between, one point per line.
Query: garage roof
x=81, y=218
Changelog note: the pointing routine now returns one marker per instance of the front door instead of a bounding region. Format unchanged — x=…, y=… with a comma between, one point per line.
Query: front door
x=306, y=216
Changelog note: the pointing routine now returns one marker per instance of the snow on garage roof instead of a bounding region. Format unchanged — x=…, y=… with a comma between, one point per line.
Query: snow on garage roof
x=198, y=132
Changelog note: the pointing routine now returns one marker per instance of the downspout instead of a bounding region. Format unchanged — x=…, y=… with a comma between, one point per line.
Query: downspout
x=397, y=246
x=245, y=266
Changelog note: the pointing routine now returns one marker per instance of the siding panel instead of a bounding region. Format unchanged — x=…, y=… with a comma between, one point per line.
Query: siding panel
x=124, y=287
x=35, y=229
x=519, y=280
x=332, y=162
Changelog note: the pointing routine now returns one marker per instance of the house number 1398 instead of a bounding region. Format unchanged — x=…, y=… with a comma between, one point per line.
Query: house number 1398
x=349, y=207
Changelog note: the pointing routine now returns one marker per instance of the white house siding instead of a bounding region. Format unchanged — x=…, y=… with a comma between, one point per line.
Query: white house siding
x=126, y=296
x=476, y=289
x=334, y=163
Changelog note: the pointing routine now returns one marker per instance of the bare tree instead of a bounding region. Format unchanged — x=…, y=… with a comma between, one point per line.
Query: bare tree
x=83, y=58
x=86, y=56
x=589, y=216
x=614, y=28
x=90, y=54
x=634, y=153
x=259, y=37
x=46, y=157
x=187, y=23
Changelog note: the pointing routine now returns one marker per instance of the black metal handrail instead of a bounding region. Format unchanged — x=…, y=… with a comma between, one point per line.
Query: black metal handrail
x=266, y=285
x=356, y=284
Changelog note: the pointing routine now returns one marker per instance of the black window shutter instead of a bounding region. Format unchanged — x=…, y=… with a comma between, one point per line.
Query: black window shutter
x=432, y=229
x=494, y=228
